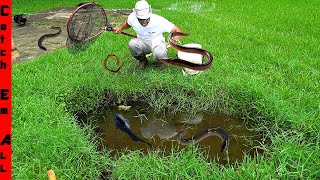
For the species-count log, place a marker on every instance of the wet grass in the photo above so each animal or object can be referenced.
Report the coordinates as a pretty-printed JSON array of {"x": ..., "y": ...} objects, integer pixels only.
[
  {"x": 187, "y": 164},
  {"x": 266, "y": 70}
]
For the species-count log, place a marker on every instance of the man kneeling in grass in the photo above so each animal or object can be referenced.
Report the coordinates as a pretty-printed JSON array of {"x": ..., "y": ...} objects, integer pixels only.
[{"x": 149, "y": 28}]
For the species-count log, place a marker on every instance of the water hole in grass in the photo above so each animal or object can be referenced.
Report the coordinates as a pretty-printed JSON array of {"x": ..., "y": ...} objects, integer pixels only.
[{"x": 161, "y": 129}]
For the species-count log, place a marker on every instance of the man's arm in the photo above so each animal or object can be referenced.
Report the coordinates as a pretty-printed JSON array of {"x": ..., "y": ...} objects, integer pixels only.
[
  {"x": 124, "y": 26},
  {"x": 176, "y": 29}
]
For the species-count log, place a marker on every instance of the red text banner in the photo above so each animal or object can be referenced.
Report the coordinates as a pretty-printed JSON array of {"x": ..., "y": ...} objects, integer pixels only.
[{"x": 5, "y": 90}]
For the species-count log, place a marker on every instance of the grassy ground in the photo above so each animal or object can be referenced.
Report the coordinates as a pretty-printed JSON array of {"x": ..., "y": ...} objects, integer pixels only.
[{"x": 266, "y": 70}]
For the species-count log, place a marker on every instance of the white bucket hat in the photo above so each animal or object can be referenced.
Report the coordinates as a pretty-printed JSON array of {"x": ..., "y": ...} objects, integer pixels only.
[{"x": 142, "y": 9}]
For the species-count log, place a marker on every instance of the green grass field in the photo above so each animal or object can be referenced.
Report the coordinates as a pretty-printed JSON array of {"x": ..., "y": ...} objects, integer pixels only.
[{"x": 266, "y": 70}]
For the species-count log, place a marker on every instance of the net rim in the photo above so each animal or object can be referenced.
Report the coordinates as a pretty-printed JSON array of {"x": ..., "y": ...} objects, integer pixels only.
[{"x": 75, "y": 11}]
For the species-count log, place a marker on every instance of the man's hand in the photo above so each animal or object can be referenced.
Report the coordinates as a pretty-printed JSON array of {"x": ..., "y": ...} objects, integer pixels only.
[
  {"x": 124, "y": 26},
  {"x": 176, "y": 29},
  {"x": 116, "y": 30}
]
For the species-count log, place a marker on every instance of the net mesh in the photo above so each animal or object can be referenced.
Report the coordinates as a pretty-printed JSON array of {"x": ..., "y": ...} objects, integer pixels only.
[{"x": 87, "y": 22}]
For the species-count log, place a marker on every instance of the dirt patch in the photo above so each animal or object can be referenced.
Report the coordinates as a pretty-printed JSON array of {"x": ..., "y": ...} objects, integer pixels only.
[{"x": 26, "y": 37}]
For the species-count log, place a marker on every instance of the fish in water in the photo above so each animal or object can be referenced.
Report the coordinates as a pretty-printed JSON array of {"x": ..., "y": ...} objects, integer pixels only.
[
  {"x": 124, "y": 107},
  {"x": 20, "y": 19},
  {"x": 123, "y": 125},
  {"x": 204, "y": 134}
]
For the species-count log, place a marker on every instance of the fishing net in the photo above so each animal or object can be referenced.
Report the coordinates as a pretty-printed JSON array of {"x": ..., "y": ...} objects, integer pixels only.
[{"x": 87, "y": 22}]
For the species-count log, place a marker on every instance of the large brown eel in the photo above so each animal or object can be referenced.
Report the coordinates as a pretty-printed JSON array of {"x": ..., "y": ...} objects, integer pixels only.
[
  {"x": 183, "y": 63},
  {"x": 204, "y": 134}
]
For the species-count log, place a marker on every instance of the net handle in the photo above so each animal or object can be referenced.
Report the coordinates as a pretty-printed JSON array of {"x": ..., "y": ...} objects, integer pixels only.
[{"x": 109, "y": 28}]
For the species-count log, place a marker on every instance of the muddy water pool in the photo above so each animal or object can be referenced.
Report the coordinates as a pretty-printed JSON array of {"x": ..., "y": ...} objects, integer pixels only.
[{"x": 161, "y": 129}]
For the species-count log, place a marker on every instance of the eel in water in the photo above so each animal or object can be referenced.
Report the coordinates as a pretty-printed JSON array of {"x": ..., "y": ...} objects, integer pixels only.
[
  {"x": 204, "y": 134},
  {"x": 42, "y": 38},
  {"x": 183, "y": 63}
]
